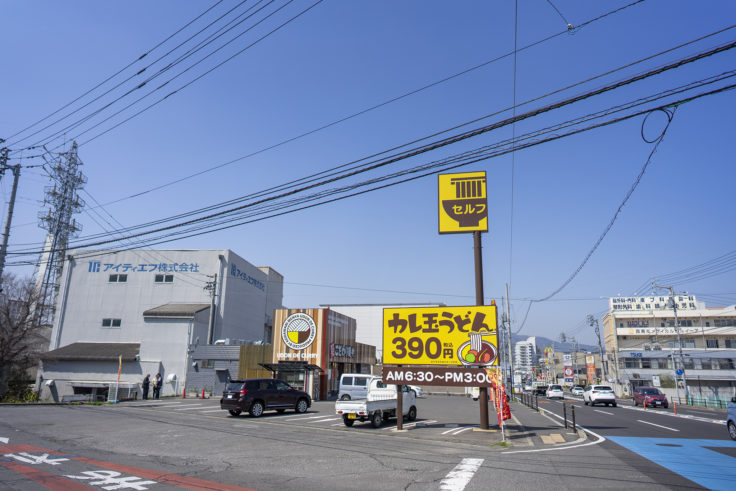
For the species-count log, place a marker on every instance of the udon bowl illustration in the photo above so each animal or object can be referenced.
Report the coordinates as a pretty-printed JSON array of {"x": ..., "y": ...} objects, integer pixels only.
[
  {"x": 457, "y": 209},
  {"x": 476, "y": 351}
]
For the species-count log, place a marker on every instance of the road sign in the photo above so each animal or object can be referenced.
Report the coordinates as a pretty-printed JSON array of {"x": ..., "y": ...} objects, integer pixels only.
[
  {"x": 464, "y": 336},
  {"x": 463, "y": 202},
  {"x": 568, "y": 371},
  {"x": 679, "y": 372}
]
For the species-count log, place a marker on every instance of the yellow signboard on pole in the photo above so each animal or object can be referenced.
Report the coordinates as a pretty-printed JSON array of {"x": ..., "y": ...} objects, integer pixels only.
[
  {"x": 465, "y": 336},
  {"x": 463, "y": 203}
]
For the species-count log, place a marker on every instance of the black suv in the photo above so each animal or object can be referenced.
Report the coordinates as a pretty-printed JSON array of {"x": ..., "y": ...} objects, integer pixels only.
[{"x": 256, "y": 395}]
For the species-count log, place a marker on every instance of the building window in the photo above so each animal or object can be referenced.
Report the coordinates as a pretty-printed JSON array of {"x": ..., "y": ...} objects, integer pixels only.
[
  {"x": 207, "y": 363},
  {"x": 711, "y": 343},
  {"x": 632, "y": 363},
  {"x": 731, "y": 343},
  {"x": 707, "y": 324},
  {"x": 724, "y": 322},
  {"x": 646, "y": 363},
  {"x": 705, "y": 364},
  {"x": 111, "y": 322},
  {"x": 164, "y": 278},
  {"x": 118, "y": 278}
]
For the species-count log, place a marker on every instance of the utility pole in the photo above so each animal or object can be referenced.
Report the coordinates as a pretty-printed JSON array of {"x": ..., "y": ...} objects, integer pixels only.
[
  {"x": 211, "y": 287},
  {"x": 508, "y": 340},
  {"x": 673, "y": 304},
  {"x": 593, "y": 321},
  {"x": 11, "y": 206},
  {"x": 574, "y": 362}
]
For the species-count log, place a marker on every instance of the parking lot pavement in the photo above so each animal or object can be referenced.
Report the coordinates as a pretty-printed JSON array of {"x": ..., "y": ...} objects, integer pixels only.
[{"x": 439, "y": 418}]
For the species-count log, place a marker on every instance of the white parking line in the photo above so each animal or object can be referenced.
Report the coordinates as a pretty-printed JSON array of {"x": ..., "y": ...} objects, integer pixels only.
[
  {"x": 212, "y": 411},
  {"x": 305, "y": 418},
  {"x": 460, "y": 476},
  {"x": 187, "y": 408},
  {"x": 654, "y": 424},
  {"x": 154, "y": 403},
  {"x": 604, "y": 412},
  {"x": 461, "y": 430},
  {"x": 323, "y": 420}
]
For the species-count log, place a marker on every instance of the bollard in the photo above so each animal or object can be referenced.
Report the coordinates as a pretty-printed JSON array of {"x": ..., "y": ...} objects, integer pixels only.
[
  {"x": 574, "y": 426},
  {"x": 184, "y": 393},
  {"x": 203, "y": 393},
  {"x": 675, "y": 403},
  {"x": 564, "y": 413},
  {"x": 536, "y": 401}
]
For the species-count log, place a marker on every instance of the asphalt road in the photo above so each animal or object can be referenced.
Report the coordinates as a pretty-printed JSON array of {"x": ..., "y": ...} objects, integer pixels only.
[
  {"x": 192, "y": 444},
  {"x": 693, "y": 442}
]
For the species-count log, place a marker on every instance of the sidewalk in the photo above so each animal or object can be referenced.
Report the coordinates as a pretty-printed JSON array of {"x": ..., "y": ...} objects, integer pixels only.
[{"x": 539, "y": 427}]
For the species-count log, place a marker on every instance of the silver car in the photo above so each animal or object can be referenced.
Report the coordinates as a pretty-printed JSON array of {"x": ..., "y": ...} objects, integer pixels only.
[{"x": 599, "y": 394}]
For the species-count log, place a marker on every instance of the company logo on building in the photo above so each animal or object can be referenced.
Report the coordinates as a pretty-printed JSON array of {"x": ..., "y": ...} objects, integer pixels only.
[{"x": 298, "y": 331}]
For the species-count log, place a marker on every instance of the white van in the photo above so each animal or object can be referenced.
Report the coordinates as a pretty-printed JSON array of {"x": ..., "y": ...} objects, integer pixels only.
[{"x": 354, "y": 386}]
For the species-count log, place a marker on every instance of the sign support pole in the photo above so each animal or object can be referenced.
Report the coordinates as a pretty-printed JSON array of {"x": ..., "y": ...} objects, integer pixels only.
[{"x": 482, "y": 391}]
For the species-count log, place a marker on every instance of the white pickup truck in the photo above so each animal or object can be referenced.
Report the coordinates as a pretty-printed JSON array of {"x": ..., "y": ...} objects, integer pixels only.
[{"x": 378, "y": 406}]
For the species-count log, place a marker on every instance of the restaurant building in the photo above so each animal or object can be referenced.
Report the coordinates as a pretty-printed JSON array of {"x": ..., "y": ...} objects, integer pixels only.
[{"x": 312, "y": 348}]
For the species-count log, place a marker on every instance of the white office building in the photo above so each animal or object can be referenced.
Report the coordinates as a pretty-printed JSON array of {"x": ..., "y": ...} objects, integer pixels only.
[
  {"x": 525, "y": 355},
  {"x": 122, "y": 315},
  {"x": 642, "y": 347}
]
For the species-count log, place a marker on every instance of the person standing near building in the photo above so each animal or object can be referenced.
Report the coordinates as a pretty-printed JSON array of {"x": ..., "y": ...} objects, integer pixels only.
[
  {"x": 157, "y": 381},
  {"x": 146, "y": 383}
]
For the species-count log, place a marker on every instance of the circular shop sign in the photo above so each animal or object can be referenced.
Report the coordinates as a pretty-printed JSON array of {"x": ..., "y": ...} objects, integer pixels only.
[{"x": 298, "y": 331}]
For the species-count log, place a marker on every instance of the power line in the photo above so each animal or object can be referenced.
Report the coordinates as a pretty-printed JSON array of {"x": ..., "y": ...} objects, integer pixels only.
[
  {"x": 430, "y": 171},
  {"x": 116, "y": 73},
  {"x": 398, "y": 98}
]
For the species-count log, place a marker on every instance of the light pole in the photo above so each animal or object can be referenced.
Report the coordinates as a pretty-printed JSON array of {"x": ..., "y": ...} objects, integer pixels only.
[{"x": 593, "y": 321}]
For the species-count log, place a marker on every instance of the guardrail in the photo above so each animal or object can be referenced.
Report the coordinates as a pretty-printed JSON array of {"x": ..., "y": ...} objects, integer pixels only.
[{"x": 714, "y": 402}]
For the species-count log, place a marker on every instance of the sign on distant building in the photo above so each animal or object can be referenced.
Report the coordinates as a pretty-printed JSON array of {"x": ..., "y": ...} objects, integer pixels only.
[
  {"x": 658, "y": 302},
  {"x": 463, "y": 203}
]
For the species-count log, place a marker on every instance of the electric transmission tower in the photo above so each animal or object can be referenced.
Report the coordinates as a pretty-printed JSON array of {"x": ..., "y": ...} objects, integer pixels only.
[{"x": 63, "y": 202}]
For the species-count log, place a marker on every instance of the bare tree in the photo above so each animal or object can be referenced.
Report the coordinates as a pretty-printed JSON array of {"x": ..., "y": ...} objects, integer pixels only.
[{"x": 22, "y": 336}]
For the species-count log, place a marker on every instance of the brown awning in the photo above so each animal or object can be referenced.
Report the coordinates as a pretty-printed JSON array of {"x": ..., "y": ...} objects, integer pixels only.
[
  {"x": 176, "y": 310},
  {"x": 94, "y": 352},
  {"x": 291, "y": 366}
]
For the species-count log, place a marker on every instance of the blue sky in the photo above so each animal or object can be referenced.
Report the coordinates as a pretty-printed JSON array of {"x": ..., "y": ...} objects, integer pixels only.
[{"x": 340, "y": 58}]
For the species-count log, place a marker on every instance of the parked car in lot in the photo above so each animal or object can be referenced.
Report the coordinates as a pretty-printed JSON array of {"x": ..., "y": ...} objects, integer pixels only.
[
  {"x": 599, "y": 394},
  {"x": 263, "y": 394},
  {"x": 418, "y": 392},
  {"x": 731, "y": 418},
  {"x": 555, "y": 391},
  {"x": 650, "y": 396},
  {"x": 354, "y": 386},
  {"x": 577, "y": 390}
]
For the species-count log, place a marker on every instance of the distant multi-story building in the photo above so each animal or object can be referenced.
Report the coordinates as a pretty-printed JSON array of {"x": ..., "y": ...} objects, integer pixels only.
[
  {"x": 525, "y": 355},
  {"x": 642, "y": 347}
]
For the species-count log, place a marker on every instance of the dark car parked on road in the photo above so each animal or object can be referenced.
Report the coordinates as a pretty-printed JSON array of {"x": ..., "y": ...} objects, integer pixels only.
[
  {"x": 650, "y": 396},
  {"x": 262, "y": 394}
]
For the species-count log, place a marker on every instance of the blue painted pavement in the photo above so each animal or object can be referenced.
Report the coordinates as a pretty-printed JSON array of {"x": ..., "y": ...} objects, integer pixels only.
[{"x": 690, "y": 458}]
